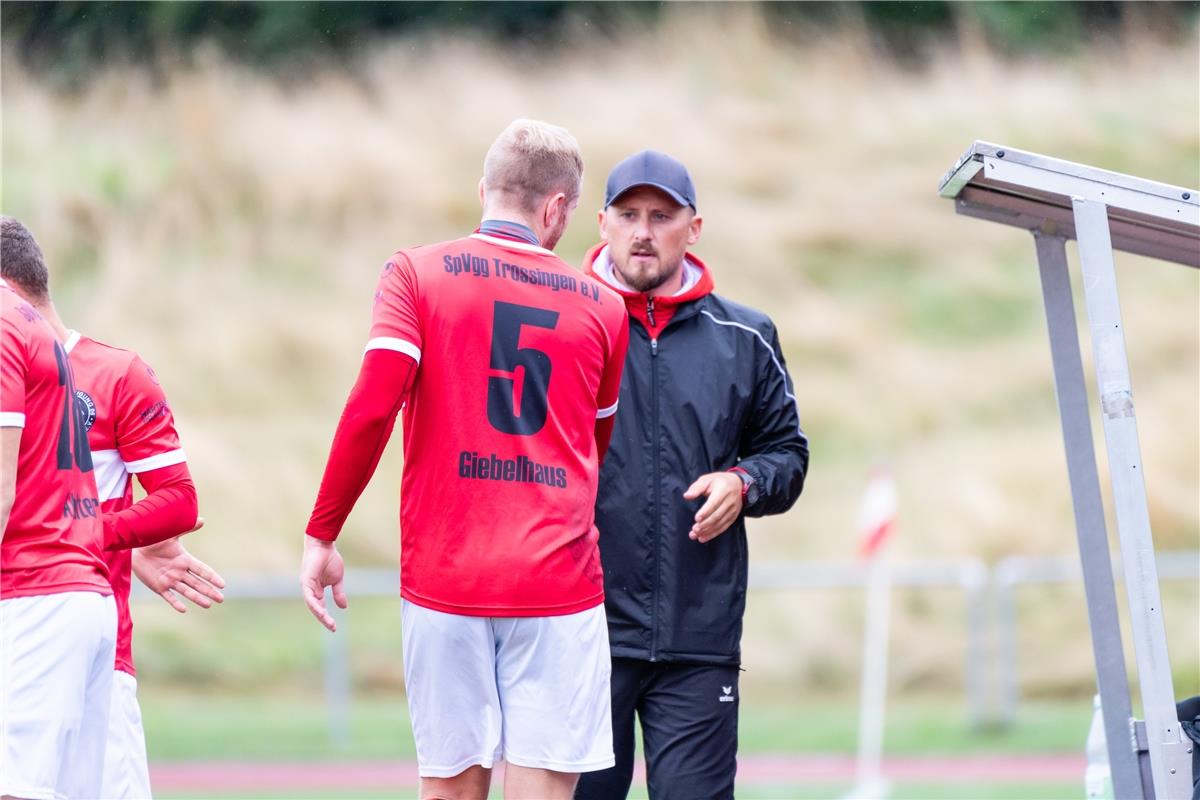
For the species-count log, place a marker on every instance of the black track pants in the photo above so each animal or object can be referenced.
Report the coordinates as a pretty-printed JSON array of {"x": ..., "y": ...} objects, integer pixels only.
[{"x": 689, "y": 717}]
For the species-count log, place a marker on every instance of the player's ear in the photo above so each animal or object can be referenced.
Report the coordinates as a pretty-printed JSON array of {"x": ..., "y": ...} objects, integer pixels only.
[
  {"x": 556, "y": 209},
  {"x": 482, "y": 195}
]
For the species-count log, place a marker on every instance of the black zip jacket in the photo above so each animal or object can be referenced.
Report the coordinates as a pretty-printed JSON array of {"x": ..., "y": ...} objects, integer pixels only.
[{"x": 709, "y": 392}]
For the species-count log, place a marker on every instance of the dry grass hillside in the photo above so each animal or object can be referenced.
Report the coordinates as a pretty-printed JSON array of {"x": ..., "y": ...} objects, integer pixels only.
[{"x": 229, "y": 225}]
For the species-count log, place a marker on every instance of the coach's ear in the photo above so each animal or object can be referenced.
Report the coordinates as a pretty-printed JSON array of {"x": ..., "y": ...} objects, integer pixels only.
[
  {"x": 694, "y": 228},
  {"x": 602, "y": 221}
]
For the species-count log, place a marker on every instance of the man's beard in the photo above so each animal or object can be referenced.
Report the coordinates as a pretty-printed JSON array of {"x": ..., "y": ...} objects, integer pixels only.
[{"x": 645, "y": 282}]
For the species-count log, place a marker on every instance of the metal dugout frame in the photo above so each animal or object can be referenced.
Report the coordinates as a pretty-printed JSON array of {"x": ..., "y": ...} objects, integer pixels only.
[{"x": 1058, "y": 200}]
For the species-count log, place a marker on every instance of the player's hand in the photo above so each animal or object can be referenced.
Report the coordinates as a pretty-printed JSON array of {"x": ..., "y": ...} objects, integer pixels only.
[
  {"x": 170, "y": 571},
  {"x": 322, "y": 566},
  {"x": 724, "y": 493}
]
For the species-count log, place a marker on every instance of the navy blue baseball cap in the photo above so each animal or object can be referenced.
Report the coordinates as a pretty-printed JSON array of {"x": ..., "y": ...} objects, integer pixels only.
[{"x": 651, "y": 168}]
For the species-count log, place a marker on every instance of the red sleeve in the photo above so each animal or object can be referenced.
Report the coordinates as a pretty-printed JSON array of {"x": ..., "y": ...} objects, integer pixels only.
[
  {"x": 144, "y": 424},
  {"x": 168, "y": 509},
  {"x": 610, "y": 387},
  {"x": 362, "y": 433},
  {"x": 14, "y": 366},
  {"x": 395, "y": 319}
]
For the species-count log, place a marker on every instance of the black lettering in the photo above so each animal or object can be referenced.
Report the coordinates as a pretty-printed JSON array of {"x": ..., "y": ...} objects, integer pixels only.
[{"x": 464, "y": 464}]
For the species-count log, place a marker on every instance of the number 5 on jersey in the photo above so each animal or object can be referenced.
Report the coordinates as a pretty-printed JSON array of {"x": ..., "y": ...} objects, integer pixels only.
[{"x": 518, "y": 408}]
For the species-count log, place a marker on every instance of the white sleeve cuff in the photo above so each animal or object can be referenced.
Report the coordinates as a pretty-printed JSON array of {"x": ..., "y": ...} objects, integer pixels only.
[
  {"x": 12, "y": 419},
  {"x": 399, "y": 345},
  {"x": 167, "y": 459},
  {"x": 604, "y": 413}
]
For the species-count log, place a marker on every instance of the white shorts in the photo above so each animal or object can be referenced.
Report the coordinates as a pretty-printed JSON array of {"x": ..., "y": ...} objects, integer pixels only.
[
  {"x": 126, "y": 774},
  {"x": 532, "y": 691},
  {"x": 56, "y": 666}
]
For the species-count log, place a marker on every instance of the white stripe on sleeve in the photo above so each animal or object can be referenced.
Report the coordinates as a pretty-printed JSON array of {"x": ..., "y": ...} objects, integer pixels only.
[
  {"x": 399, "y": 345},
  {"x": 110, "y": 472},
  {"x": 12, "y": 419},
  {"x": 782, "y": 372},
  {"x": 167, "y": 459},
  {"x": 604, "y": 413}
]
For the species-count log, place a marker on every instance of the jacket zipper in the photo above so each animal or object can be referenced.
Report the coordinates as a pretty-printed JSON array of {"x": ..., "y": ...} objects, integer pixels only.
[
  {"x": 657, "y": 486},
  {"x": 650, "y": 318}
]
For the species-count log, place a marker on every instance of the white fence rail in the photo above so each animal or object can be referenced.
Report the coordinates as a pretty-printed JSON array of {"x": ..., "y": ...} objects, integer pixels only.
[{"x": 989, "y": 596}]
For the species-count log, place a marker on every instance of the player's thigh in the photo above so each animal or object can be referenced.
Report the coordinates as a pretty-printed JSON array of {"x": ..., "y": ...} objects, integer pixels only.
[
  {"x": 689, "y": 730},
  {"x": 450, "y": 680},
  {"x": 49, "y": 685},
  {"x": 553, "y": 677},
  {"x": 126, "y": 774},
  {"x": 85, "y": 773}
]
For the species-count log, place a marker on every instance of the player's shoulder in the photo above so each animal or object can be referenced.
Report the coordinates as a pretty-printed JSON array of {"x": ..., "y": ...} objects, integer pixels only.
[
  {"x": 433, "y": 252},
  {"x": 95, "y": 360},
  {"x": 80, "y": 347}
]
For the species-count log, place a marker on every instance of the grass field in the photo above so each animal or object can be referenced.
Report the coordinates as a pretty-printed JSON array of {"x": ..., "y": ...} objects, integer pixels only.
[
  {"x": 224, "y": 728},
  {"x": 233, "y": 726}
]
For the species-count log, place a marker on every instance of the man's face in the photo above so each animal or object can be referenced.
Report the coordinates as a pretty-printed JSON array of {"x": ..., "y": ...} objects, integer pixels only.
[{"x": 647, "y": 234}]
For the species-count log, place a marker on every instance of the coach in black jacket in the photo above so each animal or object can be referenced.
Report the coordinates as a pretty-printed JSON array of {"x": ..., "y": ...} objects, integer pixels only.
[{"x": 707, "y": 433}]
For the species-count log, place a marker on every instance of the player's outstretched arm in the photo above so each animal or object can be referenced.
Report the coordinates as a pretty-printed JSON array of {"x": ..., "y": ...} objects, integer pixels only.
[
  {"x": 171, "y": 572},
  {"x": 169, "y": 509},
  {"x": 321, "y": 566}
]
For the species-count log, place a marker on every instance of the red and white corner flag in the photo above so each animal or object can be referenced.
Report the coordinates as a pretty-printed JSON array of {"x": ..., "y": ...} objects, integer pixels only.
[{"x": 877, "y": 515}]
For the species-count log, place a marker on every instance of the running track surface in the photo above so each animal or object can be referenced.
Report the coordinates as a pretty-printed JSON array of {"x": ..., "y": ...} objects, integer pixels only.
[{"x": 770, "y": 769}]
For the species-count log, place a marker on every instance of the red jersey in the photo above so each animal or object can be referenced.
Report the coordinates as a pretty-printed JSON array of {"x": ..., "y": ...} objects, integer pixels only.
[
  {"x": 518, "y": 355},
  {"x": 130, "y": 429},
  {"x": 54, "y": 538}
]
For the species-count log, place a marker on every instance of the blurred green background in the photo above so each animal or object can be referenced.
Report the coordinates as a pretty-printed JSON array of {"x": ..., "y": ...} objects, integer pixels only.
[{"x": 216, "y": 185}]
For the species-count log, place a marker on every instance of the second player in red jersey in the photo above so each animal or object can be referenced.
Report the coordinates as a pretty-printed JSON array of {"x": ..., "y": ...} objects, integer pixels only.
[
  {"x": 507, "y": 364},
  {"x": 131, "y": 430}
]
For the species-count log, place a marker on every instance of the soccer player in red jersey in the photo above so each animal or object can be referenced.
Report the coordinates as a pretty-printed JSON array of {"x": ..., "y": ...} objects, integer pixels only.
[
  {"x": 130, "y": 428},
  {"x": 57, "y": 615},
  {"x": 507, "y": 365}
]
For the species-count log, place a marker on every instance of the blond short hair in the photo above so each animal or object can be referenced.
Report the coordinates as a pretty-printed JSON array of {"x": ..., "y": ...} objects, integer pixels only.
[{"x": 531, "y": 160}]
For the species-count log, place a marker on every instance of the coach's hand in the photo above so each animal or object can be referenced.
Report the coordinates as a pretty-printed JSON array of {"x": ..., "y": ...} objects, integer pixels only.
[
  {"x": 322, "y": 566},
  {"x": 724, "y": 493},
  {"x": 169, "y": 570}
]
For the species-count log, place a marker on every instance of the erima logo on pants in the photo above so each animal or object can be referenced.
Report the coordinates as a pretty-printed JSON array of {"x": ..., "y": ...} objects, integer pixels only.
[{"x": 728, "y": 696}]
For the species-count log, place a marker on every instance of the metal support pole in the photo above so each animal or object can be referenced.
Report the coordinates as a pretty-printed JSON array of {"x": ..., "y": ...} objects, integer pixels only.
[
  {"x": 975, "y": 586},
  {"x": 1089, "y": 515},
  {"x": 1170, "y": 764},
  {"x": 337, "y": 681}
]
